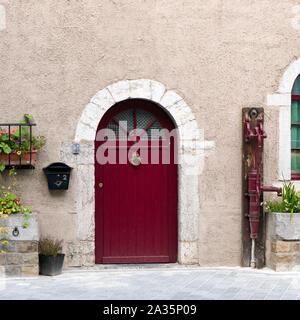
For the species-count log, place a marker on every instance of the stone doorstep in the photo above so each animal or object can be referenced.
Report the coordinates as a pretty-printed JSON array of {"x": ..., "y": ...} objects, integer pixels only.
[{"x": 141, "y": 266}]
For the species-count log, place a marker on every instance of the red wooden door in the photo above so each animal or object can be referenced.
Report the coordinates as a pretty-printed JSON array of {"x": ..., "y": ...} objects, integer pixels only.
[{"x": 136, "y": 206}]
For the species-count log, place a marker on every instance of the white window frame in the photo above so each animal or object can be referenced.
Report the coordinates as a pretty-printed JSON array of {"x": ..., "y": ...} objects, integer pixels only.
[{"x": 283, "y": 99}]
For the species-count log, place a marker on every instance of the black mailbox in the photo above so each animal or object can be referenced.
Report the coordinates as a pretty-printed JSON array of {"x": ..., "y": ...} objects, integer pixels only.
[{"x": 58, "y": 175}]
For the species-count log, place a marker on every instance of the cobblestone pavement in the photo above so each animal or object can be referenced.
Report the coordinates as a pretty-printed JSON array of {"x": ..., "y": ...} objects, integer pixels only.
[{"x": 167, "y": 283}]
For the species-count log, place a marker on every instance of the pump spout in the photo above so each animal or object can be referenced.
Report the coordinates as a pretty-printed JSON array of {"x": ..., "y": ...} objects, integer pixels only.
[{"x": 272, "y": 189}]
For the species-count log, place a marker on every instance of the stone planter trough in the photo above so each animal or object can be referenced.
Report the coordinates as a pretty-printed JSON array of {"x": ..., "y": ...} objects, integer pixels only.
[
  {"x": 21, "y": 257},
  {"x": 283, "y": 241}
]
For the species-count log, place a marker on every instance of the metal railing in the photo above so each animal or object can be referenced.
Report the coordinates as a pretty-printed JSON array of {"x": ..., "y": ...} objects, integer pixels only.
[{"x": 20, "y": 126}]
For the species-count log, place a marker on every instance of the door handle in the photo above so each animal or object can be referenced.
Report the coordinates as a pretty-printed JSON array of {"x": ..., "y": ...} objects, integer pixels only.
[{"x": 100, "y": 185}]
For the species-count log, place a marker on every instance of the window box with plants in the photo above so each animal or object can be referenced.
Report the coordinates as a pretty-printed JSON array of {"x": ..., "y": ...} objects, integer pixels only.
[
  {"x": 18, "y": 146},
  {"x": 283, "y": 230}
]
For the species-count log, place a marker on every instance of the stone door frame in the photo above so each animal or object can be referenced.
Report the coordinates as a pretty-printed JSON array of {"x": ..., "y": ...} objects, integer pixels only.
[{"x": 190, "y": 151}]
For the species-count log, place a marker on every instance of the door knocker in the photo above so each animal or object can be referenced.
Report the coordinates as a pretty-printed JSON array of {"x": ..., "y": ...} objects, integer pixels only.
[
  {"x": 15, "y": 232},
  {"x": 135, "y": 159}
]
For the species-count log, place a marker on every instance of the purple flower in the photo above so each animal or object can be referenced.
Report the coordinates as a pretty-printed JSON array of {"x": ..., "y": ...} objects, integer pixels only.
[{"x": 34, "y": 148}]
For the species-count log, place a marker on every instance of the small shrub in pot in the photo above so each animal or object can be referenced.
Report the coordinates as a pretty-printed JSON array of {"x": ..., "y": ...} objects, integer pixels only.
[{"x": 50, "y": 257}]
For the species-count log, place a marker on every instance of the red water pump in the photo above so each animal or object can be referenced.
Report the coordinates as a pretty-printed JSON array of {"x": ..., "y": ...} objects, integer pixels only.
[{"x": 255, "y": 187}]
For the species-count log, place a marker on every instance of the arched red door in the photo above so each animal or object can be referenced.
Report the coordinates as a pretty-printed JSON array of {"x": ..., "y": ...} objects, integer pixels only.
[{"x": 135, "y": 199}]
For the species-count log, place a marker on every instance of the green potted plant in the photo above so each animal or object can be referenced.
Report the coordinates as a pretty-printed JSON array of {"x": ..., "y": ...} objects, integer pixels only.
[
  {"x": 50, "y": 257},
  {"x": 283, "y": 212},
  {"x": 282, "y": 231},
  {"x": 18, "y": 146},
  {"x": 288, "y": 204}
]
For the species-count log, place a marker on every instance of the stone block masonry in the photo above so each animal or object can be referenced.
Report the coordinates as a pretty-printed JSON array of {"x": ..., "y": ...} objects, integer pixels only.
[
  {"x": 21, "y": 258},
  {"x": 283, "y": 242},
  {"x": 79, "y": 254}
]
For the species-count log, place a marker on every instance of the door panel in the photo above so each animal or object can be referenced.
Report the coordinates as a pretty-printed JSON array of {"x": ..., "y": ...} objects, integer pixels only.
[{"x": 136, "y": 210}]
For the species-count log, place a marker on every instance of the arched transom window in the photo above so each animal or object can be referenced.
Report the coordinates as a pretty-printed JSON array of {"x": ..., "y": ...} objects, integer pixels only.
[{"x": 135, "y": 122}]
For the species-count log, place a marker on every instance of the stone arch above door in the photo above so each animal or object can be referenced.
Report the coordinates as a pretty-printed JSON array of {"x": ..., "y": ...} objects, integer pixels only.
[{"x": 191, "y": 146}]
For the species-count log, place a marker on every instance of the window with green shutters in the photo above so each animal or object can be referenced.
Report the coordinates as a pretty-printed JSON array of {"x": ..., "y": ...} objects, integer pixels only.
[{"x": 295, "y": 130}]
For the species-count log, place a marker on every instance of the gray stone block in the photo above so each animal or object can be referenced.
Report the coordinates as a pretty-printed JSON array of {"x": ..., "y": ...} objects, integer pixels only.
[
  {"x": 13, "y": 270},
  {"x": 30, "y": 258},
  {"x": 10, "y": 246},
  {"x": 85, "y": 155},
  {"x": 27, "y": 246},
  {"x": 14, "y": 258},
  {"x": 283, "y": 227},
  {"x": 2, "y": 259},
  {"x": 30, "y": 233},
  {"x": 30, "y": 270}
]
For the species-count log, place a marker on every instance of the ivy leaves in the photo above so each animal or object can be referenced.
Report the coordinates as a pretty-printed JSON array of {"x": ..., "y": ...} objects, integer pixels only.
[{"x": 4, "y": 147}]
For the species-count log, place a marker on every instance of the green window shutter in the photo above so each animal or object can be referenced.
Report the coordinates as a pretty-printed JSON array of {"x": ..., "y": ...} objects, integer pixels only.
[{"x": 295, "y": 136}]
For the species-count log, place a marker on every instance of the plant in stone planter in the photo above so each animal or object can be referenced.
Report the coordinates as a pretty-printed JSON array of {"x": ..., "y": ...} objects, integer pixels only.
[
  {"x": 18, "y": 146},
  {"x": 282, "y": 230},
  {"x": 289, "y": 203},
  {"x": 51, "y": 258},
  {"x": 10, "y": 204}
]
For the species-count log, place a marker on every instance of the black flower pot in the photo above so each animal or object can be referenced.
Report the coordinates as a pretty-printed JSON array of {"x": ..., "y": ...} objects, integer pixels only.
[{"x": 51, "y": 265}]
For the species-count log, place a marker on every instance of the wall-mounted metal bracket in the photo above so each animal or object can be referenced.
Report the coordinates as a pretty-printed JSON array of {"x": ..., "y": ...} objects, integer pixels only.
[{"x": 76, "y": 148}]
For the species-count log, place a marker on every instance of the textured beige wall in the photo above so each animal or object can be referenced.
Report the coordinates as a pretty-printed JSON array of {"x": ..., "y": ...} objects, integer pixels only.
[{"x": 219, "y": 55}]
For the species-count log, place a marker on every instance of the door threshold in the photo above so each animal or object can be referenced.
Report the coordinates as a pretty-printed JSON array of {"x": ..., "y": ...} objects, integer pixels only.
[{"x": 137, "y": 266}]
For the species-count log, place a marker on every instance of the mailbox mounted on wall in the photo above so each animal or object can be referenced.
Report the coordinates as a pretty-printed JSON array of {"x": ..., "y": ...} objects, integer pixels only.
[{"x": 58, "y": 175}]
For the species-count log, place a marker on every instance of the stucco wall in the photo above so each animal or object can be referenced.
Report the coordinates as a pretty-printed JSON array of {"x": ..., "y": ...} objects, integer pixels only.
[{"x": 220, "y": 56}]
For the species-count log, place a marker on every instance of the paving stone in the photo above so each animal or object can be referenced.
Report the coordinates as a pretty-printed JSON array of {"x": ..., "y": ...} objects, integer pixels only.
[
  {"x": 157, "y": 283},
  {"x": 268, "y": 284}
]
